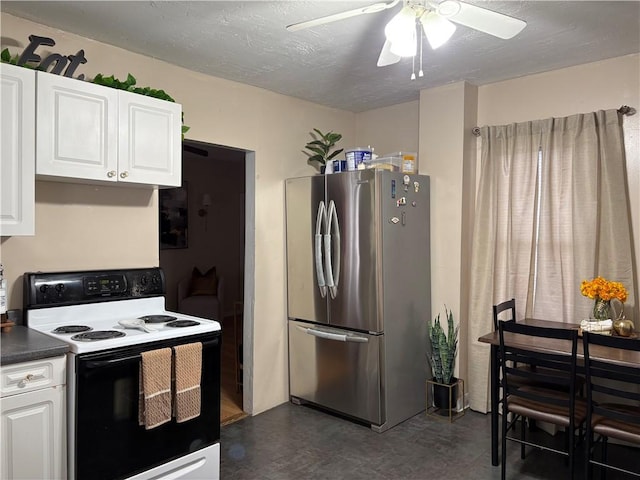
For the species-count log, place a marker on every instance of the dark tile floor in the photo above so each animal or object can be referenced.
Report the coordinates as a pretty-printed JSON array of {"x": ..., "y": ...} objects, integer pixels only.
[{"x": 299, "y": 442}]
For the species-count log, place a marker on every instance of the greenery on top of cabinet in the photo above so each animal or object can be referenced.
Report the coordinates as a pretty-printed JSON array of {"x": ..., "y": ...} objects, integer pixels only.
[
  {"x": 129, "y": 84},
  {"x": 6, "y": 57}
]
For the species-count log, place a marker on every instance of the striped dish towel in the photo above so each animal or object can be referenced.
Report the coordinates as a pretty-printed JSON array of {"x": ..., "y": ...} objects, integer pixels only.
[
  {"x": 188, "y": 374},
  {"x": 154, "y": 405}
]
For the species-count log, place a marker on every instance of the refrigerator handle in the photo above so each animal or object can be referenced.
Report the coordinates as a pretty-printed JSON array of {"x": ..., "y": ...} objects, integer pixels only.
[
  {"x": 328, "y": 264},
  {"x": 334, "y": 336},
  {"x": 320, "y": 217},
  {"x": 335, "y": 239},
  {"x": 332, "y": 237}
]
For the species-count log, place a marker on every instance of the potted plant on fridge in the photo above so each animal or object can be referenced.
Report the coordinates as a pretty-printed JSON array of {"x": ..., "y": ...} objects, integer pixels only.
[
  {"x": 444, "y": 348},
  {"x": 320, "y": 148}
]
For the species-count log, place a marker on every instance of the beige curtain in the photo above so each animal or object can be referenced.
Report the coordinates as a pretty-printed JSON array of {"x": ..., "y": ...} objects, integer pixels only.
[{"x": 552, "y": 210}]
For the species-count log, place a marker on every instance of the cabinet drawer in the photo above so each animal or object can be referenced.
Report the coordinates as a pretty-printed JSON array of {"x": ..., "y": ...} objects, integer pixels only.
[
  {"x": 30, "y": 376},
  {"x": 343, "y": 375}
]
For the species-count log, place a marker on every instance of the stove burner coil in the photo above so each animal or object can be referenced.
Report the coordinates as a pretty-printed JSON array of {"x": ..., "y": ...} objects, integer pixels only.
[
  {"x": 182, "y": 323},
  {"x": 72, "y": 329},
  {"x": 157, "y": 318},
  {"x": 97, "y": 335}
]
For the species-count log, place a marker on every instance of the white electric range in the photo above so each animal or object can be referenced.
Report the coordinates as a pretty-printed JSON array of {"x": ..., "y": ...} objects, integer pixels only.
[
  {"x": 87, "y": 310},
  {"x": 98, "y": 326}
]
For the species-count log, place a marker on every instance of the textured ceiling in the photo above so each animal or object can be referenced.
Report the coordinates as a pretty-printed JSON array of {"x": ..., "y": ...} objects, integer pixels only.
[{"x": 335, "y": 64}]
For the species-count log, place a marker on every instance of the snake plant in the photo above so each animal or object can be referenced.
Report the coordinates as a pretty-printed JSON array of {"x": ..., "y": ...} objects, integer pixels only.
[{"x": 444, "y": 348}]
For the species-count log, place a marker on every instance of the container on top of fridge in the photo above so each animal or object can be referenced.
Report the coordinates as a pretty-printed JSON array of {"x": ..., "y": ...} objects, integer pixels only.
[
  {"x": 356, "y": 157},
  {"x": 405, "y": 162},
  {"x": 409, "y": 161},
  {"x": 384, "y": 163}
]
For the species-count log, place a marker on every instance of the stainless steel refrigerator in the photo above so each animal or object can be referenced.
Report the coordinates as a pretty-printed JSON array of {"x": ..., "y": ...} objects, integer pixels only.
[{"x": 359, "y": 293}]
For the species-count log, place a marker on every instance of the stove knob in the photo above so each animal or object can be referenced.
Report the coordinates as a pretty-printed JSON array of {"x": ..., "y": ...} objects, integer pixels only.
[
  {"x": 59, "y": 287},
  {"x": 44, "y": 288},
  {"x": 143, "y": 280}
]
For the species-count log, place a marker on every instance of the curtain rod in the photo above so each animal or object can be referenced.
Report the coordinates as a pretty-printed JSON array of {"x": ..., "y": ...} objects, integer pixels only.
[{"x": 623, "y": 110}]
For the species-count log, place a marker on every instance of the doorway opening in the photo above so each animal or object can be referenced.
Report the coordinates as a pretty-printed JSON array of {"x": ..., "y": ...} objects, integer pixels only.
[{"x": 219, "y": 188}]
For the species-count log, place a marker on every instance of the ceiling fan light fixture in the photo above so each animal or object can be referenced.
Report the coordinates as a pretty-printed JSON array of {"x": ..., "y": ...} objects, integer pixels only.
[
  {"x": 401, "y": 33},
  {"x": 386, "y": 57},
  {"x": 437, "y": 29},
  {"x": 404, "y": 46}
]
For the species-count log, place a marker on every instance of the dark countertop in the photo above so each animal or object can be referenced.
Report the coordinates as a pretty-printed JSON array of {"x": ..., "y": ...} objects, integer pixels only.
[{"x": 23, "y": 344}]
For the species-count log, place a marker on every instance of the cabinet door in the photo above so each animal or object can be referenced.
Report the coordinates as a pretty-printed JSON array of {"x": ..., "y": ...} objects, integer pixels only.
[
  {"x": 33, "y": 437},
  {"x": 150, "y": 146},
  {"x": 77, "y": 129},
  {"x": 17, "y": 144}
]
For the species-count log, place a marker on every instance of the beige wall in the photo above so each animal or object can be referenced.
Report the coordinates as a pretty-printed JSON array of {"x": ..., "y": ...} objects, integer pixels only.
[
  {"x": 390, "y": 129},
  {"x": 104, "y": 227},
  {"x": 83, "y": 227},
  {"x": 447, "y": 115}
]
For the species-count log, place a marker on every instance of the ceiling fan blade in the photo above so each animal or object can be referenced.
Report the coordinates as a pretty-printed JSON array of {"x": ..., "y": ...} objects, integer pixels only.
[
  {"x": 487, "y": 21},
  {"x": 376, "y": 7},
  {"x": 387, "y": 57}
]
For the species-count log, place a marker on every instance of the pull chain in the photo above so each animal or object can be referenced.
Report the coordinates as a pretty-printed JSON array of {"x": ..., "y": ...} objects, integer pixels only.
[
  {"x": 421, "y": 73},
  {"x": 413, "y": 73},
  {"x": 413, "y": 59}
]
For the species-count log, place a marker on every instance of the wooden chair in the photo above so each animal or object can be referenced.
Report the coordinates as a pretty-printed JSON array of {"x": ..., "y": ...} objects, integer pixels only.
[
  {"x": 544, "y": 391},
  {"x": 619, "y": 416}
]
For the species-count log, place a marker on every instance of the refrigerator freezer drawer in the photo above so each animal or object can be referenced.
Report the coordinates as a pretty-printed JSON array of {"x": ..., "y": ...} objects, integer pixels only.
[{"x": 336, "y": 369}]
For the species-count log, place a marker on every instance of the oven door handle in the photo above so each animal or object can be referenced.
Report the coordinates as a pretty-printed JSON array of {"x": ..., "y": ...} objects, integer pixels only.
[{"x": 93, "y": 364}]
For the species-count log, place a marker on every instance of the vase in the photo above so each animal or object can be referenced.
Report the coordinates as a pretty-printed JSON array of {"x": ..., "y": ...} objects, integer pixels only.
[
  {"x": 623, "y": 327},
  {"x": 602, "y": 309}
]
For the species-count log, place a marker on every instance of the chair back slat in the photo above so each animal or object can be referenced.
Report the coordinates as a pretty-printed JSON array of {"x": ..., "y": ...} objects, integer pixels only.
[{"x": 509, "y": 305}]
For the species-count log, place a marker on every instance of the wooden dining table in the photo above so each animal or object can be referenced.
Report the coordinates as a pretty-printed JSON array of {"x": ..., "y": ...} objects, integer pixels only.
[{"x": 610, "y": 355}]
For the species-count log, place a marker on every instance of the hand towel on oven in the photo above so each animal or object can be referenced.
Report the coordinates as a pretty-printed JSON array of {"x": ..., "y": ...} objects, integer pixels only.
[
  {"x": 188, "y": 372},
  {"x": 155, "y": 388}
]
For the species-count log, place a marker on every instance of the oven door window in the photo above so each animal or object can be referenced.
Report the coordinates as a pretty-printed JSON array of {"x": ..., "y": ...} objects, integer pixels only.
[{"x": 109, "y": 442}]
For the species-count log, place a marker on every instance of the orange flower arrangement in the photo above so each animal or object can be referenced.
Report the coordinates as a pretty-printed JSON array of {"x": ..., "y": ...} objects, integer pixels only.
[{"x": 600, "y": 288}]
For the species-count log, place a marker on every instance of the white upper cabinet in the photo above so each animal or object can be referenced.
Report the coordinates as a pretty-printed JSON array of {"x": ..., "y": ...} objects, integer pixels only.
[
  {"x": 77, "y": 129},
  {"x": 88, "y": 132},
  {"x": 17, "y": 144},
  {"x": 150, "y": 141}
]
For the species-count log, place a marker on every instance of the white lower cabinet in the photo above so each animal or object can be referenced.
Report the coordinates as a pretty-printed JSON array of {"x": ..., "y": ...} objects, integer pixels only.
[
  {"x": 33, "y": 420},
  {"x": 88, "y": 132},
  {"x": 17, "y": 146}
]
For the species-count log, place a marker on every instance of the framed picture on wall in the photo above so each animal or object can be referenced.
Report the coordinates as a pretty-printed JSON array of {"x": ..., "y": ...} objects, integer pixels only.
[{"x": 174, "y": 217}]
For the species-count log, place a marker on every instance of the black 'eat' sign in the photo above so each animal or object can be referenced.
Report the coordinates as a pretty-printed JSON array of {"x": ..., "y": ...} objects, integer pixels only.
[{"x": 58, "y": 61}]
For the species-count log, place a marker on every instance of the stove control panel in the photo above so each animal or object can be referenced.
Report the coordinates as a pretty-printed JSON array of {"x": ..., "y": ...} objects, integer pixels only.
[
  {"x": 69, "y": 288},
  {"x": 105, "y": 284}
]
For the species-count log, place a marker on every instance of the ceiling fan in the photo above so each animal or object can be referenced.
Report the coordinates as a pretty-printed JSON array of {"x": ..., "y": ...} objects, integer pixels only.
[{"x": 438, "y": 21}]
